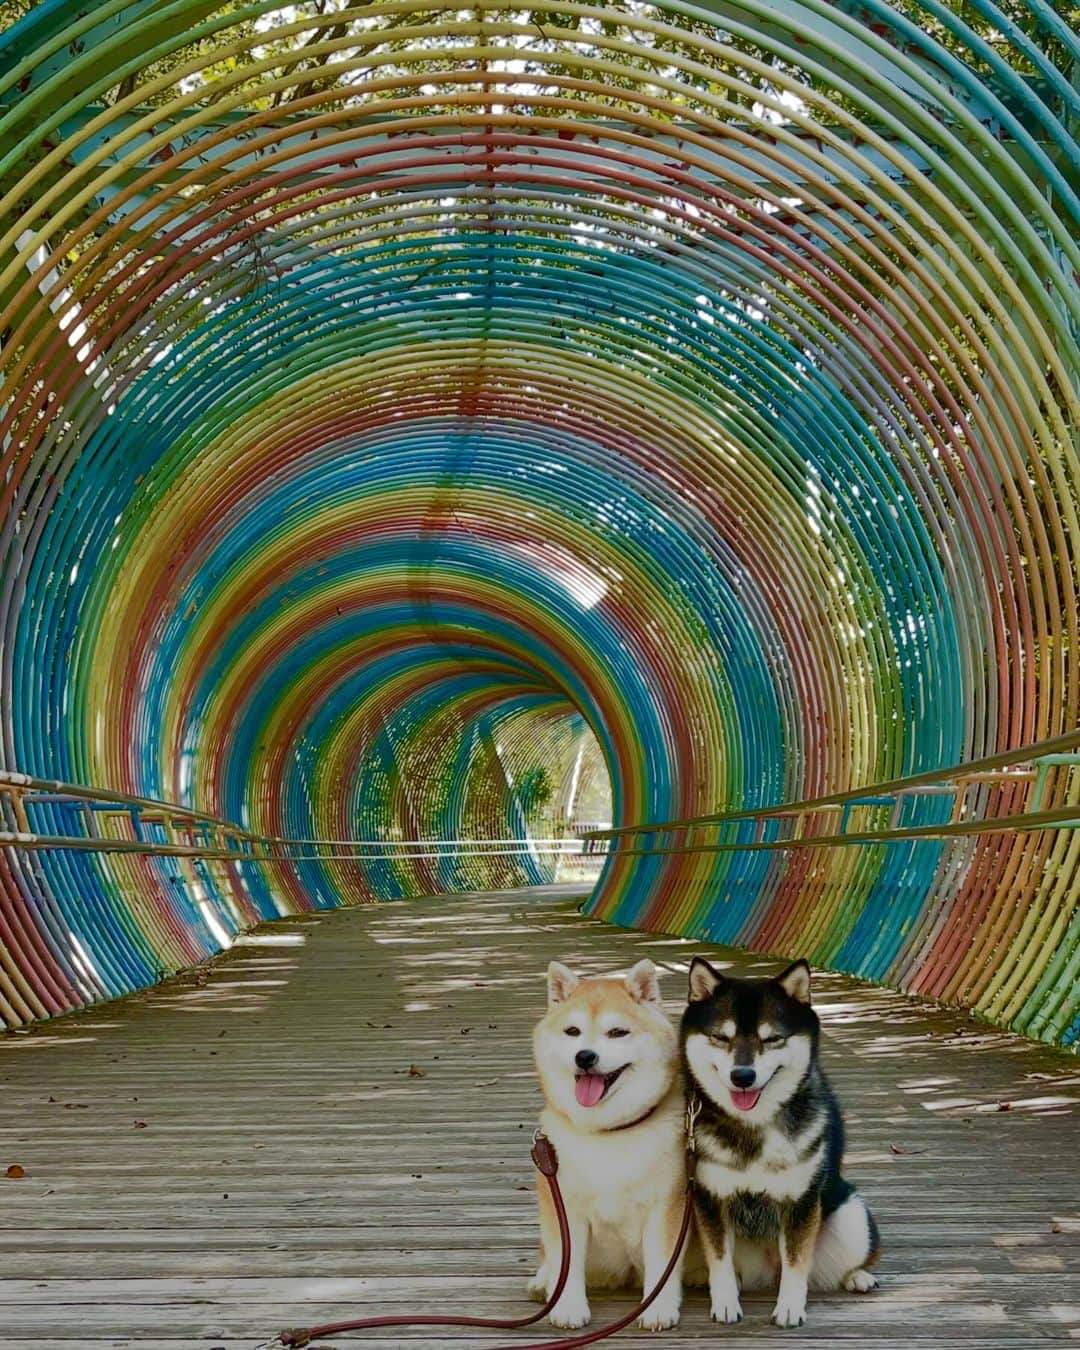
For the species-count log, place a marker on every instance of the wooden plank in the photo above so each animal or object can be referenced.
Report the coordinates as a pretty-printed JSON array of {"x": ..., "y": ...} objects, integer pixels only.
[
  {"x": 245, "y": 1148},
  {"x": 706, "y": 1334}
]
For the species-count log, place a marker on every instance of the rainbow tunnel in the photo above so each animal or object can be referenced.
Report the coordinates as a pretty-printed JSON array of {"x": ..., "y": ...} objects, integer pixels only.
[{"x": 433, "y": 431}]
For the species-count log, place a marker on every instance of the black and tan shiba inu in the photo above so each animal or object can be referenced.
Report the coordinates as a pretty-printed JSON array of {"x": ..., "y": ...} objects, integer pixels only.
[
  {"x": 770, "y": 1200},
  {"x": 608, "y": 1062}
]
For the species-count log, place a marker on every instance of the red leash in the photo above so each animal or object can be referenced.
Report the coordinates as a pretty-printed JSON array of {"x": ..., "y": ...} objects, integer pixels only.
[
  {"x": 546, "y": 1161},
  {"x": 601, "y": 1333}
]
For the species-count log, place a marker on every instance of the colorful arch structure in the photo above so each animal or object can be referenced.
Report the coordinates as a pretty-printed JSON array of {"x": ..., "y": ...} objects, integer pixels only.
[{"x": 409, "y": 408}]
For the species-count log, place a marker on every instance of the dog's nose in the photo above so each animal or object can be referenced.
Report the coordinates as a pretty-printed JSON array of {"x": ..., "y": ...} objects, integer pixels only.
[
  {"x": 743, "y": 1078},
  {"x": 585, "y": 1059}
]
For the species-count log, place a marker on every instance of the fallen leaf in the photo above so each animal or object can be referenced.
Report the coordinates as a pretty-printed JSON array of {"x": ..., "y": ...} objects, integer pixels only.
[
  {"x": 1004, "y": 1106},
  {"x": 139, "y": 1124},
  {"x": 488, "y": 1082},
  {"x": 15, "y": 1172},
  {"x": 415, "y": 1071},
  {"x": 75, "y": 1106},
  {"x": 901, "y": 1151}
]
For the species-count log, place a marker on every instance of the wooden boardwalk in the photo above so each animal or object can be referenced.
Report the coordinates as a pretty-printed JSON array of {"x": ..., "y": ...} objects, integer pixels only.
[{"x": 336, "y": 1118}]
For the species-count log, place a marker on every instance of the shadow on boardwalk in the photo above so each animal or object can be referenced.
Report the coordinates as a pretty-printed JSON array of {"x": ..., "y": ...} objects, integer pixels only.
[{"x": 335, "y": 1120}]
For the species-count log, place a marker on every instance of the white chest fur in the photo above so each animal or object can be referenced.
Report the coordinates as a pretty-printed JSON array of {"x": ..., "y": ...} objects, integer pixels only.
[
  {"x": 616, "y": 1173},
  {"x": 782, "y": 1168}
]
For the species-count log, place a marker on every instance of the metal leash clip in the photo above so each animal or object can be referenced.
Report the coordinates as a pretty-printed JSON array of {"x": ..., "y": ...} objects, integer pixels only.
[{"x": 693, "y": 1110}]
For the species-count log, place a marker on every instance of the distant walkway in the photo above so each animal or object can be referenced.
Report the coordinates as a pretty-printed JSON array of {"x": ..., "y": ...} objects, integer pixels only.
[{"x": 336, "y": 1119}]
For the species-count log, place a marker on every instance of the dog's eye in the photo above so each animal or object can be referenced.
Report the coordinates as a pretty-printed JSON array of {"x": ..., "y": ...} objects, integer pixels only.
[
  {"x": 774, "y": 1040},
  {"x": 717, "y": 1039},
  {"x": 572, "y": 1031},
  {"x": 619, "y": 1031}
]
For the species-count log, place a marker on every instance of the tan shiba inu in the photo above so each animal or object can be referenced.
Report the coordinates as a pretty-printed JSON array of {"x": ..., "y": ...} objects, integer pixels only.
[{"x": 609, "y": 1066}]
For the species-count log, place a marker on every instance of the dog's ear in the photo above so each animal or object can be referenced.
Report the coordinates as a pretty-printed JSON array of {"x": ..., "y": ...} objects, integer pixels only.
[
  {"x": 795, "y": 981},
  {"x": 643, "y": 984},
  {"x": 703, "y": 979},
  {"x": 561, "y": 983}
]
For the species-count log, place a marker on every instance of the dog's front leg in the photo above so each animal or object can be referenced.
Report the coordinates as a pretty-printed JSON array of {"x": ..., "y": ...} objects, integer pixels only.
[
  {"x": 718, "y": 1242},
  {"x": 573, "y": 1303},
  {"x": 572, "y": 1309},
  {"x": 543, "y": 1282},
  {"x": 798, "y": 1233},
  {"x": 658, "y": 1242}
]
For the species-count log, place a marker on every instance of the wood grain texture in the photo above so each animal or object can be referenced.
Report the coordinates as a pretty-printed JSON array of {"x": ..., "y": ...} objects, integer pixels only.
[{"x": 335, "y": 1118}]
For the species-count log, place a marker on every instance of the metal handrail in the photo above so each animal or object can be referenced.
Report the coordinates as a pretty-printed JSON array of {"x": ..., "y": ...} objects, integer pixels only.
[
  {"x": 957, "y": 776},
  {"x": 275, "y": 848},
  {"x": 1060, "y": 817},
  {"x": 1035, "y": 759}
]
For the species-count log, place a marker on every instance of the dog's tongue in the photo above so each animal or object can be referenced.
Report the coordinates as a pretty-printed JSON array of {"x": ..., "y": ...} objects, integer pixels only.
[
  {"x": 589, "y": 1088},
  {"x": 745, "y": 1098}
]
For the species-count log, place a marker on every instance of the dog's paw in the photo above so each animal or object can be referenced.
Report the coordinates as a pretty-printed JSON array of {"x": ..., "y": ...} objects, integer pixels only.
[
  {"x": 659, "y": 1318},
  {"x": 727, "y": 1309},
  {"x": 569, "y": 1314},
  {"x": 537, "y": 1288},
  {"x": 860, "y": 1281},
  {"x": 789, "y": 1313}
]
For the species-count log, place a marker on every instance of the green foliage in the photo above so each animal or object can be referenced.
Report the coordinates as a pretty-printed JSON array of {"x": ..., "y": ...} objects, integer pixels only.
[
  {"x": 546, "y": 47},
  {"x": 11, "y": 11},
  {"x": 953, "y": 39},
  {"x": 534, "y": 789}
]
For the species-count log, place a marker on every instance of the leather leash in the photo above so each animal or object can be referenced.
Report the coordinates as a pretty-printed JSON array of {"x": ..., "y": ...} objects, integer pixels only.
[{"x": 546, "y": 1161}]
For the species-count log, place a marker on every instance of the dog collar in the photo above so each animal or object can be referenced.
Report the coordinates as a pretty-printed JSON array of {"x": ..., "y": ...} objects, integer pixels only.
[{"x": 631, "y": 1123}]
